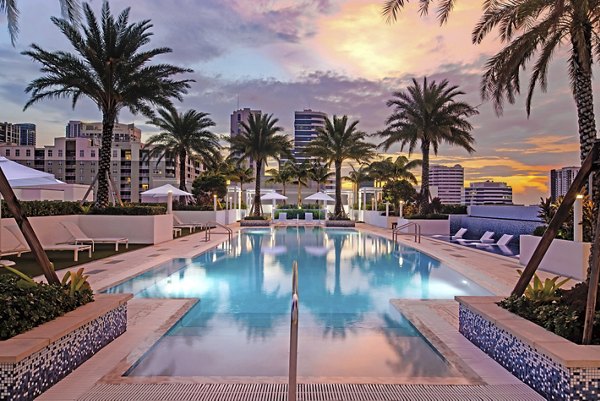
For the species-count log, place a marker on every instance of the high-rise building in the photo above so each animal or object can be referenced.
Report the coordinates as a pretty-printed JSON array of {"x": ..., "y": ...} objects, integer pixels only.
[
  {"x": 241, "y": 116},
  {"x": 306, "y": 123},
  {"x": 8, "y": 134},
  {"x": 449, "y": 183},
  {"x": 488, "y": 193},
  {"x": 121, "y": 132},
  {"x": 27, "y": 133},
  {"x": 561, "y": 180}
]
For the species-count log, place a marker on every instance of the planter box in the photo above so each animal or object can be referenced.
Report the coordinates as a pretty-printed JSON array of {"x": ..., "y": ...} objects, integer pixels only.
[
  {"x": 375, "y": 218},
  {"x": 34, "y": 361},
  {"x": 139, "y": 229},
  {"x": 205, "y": 216},
  {"x": 553, "y": 366},
  {"x": 255, "y": 223},
  {"x": 340, "y": 223},
  {"x": 566, "y": 258}
]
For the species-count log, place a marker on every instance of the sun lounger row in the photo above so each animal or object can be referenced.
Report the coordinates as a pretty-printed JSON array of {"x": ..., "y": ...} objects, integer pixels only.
[
  {"x": 486, "y": 240},
  {"x": 308, "y": 220}
]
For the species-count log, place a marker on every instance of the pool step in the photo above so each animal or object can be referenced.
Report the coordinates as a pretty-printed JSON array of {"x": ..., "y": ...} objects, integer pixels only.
[{"x": 309, "y": 392}]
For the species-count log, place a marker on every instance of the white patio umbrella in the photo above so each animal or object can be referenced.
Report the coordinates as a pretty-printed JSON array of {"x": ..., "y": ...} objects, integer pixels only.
[
  {"x": 273, "y": 196},
  {"x": 321, "y": 196},
  {"x": 20, "y": 176},
  {"x": 160, "y": 194}
]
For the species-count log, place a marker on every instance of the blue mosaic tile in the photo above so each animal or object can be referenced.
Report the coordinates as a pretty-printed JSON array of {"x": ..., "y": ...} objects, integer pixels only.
[
  {"x": 33, "y": 375},
  {"x": 546, "y": 376}
]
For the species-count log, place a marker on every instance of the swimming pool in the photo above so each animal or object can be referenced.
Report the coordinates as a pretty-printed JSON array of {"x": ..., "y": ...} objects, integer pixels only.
[{"x": 347, "y": 327}]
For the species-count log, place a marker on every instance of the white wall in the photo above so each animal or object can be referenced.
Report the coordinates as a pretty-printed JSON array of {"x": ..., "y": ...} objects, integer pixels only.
[
  {"x": 197, "y": 216},
  {"x": 565, "y": 258},
  {"x": 431, "y": 227},
  {"x": 375, "y": 218}
]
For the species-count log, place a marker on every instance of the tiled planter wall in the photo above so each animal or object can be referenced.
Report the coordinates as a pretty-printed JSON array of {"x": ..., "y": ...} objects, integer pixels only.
[
  {"x": 547, "y": 363},
  {"x": 27, "y": 378}
]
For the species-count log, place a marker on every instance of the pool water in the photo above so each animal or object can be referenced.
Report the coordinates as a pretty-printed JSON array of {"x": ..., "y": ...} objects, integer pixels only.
[{"x": 347, "y": 327}]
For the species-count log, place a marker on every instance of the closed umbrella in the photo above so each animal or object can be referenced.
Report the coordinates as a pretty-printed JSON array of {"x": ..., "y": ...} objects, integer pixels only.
[
  {"x": 321, "y": 196},
  {"x": 273, "y": 196}
]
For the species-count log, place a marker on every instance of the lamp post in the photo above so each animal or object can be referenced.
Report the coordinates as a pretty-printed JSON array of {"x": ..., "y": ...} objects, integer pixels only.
[
  {"x": 387, "y": 209},
  {"x": 400, "y": 211},
  {"x": 170, "y": 202},
  {"x": 578, "y": 219},
  {"x": 215, "y": 202}
]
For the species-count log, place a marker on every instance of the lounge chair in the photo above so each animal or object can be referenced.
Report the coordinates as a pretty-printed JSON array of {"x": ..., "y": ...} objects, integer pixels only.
[
  {"x": 82, "y": 238},
  {"x": 486, "y": 238},
  {"x": 282, "y": 218},
  {"x": 76, "y": 248},
  {"x": 458, "y": 235},
  {"x": 180, "y": 224},
  {"x": 503, "y": 241},
  {"x": 11, "y": 245}
]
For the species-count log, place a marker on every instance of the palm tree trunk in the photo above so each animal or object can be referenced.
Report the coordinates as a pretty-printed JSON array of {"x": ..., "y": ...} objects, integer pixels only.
[
  {"x": 424, "y": 177},
  {"x": 299, "y": 192},
  {"x": 108, "y": 122},
  {"x": 283, "y": 184},
  {"x": 257, "y": 206},
  {"x": 182, "y": 157},
  {"x": 338, "y": 210}
]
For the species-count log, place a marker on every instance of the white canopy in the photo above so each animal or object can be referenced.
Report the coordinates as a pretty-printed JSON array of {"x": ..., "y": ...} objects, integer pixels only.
[
  {"x": 159, "y": 194},
  {"x": 22, "y": 176},
  {"x": 273, "y": 196},
  {"x": 320, "y": 196}
]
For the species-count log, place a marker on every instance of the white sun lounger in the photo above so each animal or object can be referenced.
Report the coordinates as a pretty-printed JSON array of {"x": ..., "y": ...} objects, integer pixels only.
[
  {"x": 486, "y": 238},
  {"x": 458, "y": 235},
  {"x": 76, "y": 248},
  {"x": 282, "y": 218},
  {"x": 11, "y": 245},
  {"x": 503, "y": 241},
  {"x": 82, "y": 238}
]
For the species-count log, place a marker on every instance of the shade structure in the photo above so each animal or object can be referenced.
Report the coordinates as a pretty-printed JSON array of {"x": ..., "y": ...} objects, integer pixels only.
[
  {"x": 19, "y": 176},
  {"x": 321, "y": 196},
  {"x": 273, "y": 196},
  {"x": 160, "y": 194}
]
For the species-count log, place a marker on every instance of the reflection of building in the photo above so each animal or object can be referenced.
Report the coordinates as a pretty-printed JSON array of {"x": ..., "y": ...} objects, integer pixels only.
[
  {"x": 305, "y": 129},
  {"x": 449, "y": 182},
  {"x": 488, "y": 193},
  {"x": 74, "y": 160},
  {"x": 561, "y": 180}
]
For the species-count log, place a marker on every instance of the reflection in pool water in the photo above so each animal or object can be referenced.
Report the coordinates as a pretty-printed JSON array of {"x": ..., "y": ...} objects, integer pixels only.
[{"x": 240, "y": 326}]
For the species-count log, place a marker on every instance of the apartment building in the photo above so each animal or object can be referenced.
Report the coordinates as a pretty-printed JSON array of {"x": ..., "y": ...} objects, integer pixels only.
[
  {"x": 561, "y": 180},
  {"x": 93, "y": 130},
  {"x": 306, "y": 123},
  {"x": 448, "y": 182},
  {"x": 488, "y": 193}
]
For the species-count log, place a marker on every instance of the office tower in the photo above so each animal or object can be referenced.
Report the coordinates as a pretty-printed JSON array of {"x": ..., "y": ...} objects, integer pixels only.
[
  {"x": 488, "y": 193},
  {"x": 449, "y": 182}
]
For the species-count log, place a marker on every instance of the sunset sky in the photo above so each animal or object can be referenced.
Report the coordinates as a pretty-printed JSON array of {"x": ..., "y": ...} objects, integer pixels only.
[{"x": 336, "y": 56}]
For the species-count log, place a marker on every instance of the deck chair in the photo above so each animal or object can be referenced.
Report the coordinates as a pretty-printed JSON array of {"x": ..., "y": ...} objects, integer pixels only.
[
  {"x": 10, "y": 245},
  {"x": 503, "y": 241},
  {"x": 458, "y": 235},
  {"x": 308, "y": 218},
  {"x": 190, "y": 226},
  {"x": 486, "y": 238},
  {"x": 76, "y": 248},
  {"x": 82, "y": 238},
  {"x": 282, "y": 218}
]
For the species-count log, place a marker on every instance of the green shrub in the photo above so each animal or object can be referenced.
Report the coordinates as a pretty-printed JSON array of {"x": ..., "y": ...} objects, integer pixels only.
[
  {"x": 45, "y": 208},
  {"x": 294, "y": 213},
  {"x": 255, "y": 218},
  {"x": 200, "y": 208},
  {"x": 130, "y": 210},
  {"x": 453, "y": 209},
  {"x": 25, "y": 307},
  {"x": 430, "y": 216}
]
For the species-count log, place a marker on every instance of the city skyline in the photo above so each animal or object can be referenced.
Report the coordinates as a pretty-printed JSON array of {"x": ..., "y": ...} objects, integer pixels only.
[{"x": 339, "y": 57}]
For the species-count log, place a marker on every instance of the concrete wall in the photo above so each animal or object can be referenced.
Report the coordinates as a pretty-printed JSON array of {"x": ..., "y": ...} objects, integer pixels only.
[
  {"x": 375, "y": 218},
  {"x": 565, "y": 258},
  {"x": 197, "y": 216}
]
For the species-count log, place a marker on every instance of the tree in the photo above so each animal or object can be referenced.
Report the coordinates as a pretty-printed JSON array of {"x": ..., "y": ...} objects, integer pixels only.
[
  {"x": 69, "y": 8},
  {"x": 242, "y": 175},
  {"x": 111, "y": 68},
  {"x": 319, "y": 173},
  {"x": 389, "y": 169},
  {"x": 428, "y": 115},
  {"x": 392, "y": 8},
  {"x": 398, "y": 190},
  {"x": 260, "y": 139},
  {"x": 187, "y": 137},
  {"x": 357, "y": 176},
  {"x": 301, "y": 174},
  {"x": 283, "y": 175},
  {"x": 337, "y": 142},
  {"x": 208, "y": 184}
]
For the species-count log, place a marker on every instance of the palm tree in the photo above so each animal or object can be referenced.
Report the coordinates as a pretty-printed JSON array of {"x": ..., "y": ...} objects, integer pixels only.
[
  {"x": 428, "y": 115},
  {"x": 357, "y": 176},
  {"x": 319, "y": 173},
  {"x": 392, "y": 8},
  {"x": 187, "y": 137},
  {"x": 242, "y": 175},
  {"x": 69, "y": 8},
  {"x": 260, "y": 139},
  {"x": 389, "y": 169},
  {"x": 337, "y": 142},
  {"x": 282, "y": 176},
  {"x": 301, "y": 174},
  {"x": 110, "y": 67}
]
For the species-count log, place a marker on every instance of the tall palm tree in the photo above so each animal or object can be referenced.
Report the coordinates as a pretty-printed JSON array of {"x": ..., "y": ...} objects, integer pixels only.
[
  {"x": 69, "y": 8},
  {"x": 301, "y": 174},
  {"x": 319, "y": 173},
  {"x": 392, "y": 8},
  {"x": 260, "y": 139},
  {"x": 337, "y": 142},
  {"x": 111, "y": 68},
  {"x": 428, "y": 116},
  {"x": 389, "y": 169},
  {"x": 242, "y": 175},
  {"x": 283, "y": 175},
  {"x": 187, "y": 137},
  {"x": 357, "y": 176}
]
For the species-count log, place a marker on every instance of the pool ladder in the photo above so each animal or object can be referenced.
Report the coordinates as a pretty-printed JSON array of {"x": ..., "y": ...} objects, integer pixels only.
[
  {"x": 396, "y": 232},
  {"x": 213, "y": 224},
  {"x": 293, "y": 365}
]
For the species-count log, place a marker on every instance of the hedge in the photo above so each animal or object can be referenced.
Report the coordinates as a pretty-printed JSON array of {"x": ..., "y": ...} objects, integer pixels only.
[
  {"x": 45, "y": 208},
  {"x": 294, "y": 213},
  {"x": 431, "y": 216},
  {"x": 130, "y": 210},
  {"x": 25, "y": 306}
]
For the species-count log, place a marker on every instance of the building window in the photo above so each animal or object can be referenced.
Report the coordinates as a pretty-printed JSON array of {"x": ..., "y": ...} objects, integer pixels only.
[
  {"x": 28, "y": 152},
  {"x": 49, "y": 163},
  {"x": 17, "y": 152},
  {"x": 49, "y": 153},
  {"x": 81, "y": 172},
  {"x": 93, "y": 171},
  {"x": 115, "y": 153},
  {"x": 7, "y": 152},
  {"x": 59, "y": 170},
  {"x": 145, "y": 187},
  {"x": 93, "y": 153},
  {"x": 60, "y": 152},
  {"x": 50, "y": 170},
  {"x": 60, "y": 163},
  {"x": 82, "y": 153}
]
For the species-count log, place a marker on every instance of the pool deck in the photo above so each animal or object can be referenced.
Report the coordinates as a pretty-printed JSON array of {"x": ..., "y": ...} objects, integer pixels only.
[{"x": 100, "y": 378}]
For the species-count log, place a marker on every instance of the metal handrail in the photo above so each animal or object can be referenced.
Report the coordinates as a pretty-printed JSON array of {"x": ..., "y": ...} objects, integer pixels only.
[
  {"x": 293, "y": 365},
  {"x": 208, "y": 227},
  {"x": 398, "y": 231}
]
